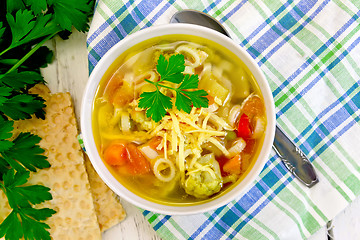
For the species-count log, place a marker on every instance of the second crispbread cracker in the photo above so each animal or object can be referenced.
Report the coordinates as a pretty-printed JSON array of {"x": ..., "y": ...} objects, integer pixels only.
[
  {"x": 67, "y": 177},
  {"x": 108, "y": 208}
]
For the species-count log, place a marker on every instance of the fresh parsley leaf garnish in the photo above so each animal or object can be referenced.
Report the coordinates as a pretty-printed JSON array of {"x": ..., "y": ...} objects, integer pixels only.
[
  {"x": 31, "y": 20},
  {"x": 13, "y": 5},
  {"x": 189, "y": 82},
  {"x": 171, "y": 70},
  {"x": 5, "y": 132},
  {"x": 37, "y": 6},
  {"x": 23, "y": 153},
  {"x": 6, "y": 128},
  {"x": 26, "y": 154},
  {"x": 21, "y": 80},
  {"x": 70, "y": 13},
  {"x": 25, "y": 25},
  {"x": 21, "y": 106},
  {"x": 24, "y": 220},
  {"x": 15, "y": 102},
  {"x": 198, "y": 98},
  {"x": 182, "y": 102},
  {"x": 2, "y": 29},
  {"x": 187, "y": 95},
  {"x": 158, "y": 103},
  {"x": 5, "y": 92}
]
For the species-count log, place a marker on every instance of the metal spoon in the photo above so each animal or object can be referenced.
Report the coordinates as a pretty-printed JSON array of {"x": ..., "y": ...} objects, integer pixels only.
[{"x": 293, "y": 158}]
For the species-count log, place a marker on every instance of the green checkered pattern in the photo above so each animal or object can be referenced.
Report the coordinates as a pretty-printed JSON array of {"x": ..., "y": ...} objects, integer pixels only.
[{"x": 309, "y": 52}]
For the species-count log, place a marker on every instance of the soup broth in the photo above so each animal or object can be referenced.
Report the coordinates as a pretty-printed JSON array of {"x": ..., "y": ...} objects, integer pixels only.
[{"x": 184, "y": 158}]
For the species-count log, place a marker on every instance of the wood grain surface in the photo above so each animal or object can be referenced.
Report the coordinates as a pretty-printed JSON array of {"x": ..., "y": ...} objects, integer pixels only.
[{"x": 69, "y": 73}]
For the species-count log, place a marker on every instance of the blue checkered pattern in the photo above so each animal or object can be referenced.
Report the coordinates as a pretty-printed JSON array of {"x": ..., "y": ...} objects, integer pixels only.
[{"x": 309, "y": 51}]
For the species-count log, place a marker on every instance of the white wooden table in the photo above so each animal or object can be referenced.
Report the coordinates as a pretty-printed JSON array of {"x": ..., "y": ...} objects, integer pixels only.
[{"x": 69, "y": 73}]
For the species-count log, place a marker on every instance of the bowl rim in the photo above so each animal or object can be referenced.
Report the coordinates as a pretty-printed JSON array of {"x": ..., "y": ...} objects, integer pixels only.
[{"x": 86, "y": 114}]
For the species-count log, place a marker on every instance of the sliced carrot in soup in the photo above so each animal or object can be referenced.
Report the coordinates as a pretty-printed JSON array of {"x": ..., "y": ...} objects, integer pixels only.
[
  {"x": 233, "y": 165},
  {"x": 210, "y": 98},
  {"x": 116, "y": 154}
]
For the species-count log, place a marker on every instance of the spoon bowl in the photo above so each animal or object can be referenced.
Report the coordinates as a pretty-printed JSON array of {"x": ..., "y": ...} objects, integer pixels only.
[{"x": 198, "y": 18}]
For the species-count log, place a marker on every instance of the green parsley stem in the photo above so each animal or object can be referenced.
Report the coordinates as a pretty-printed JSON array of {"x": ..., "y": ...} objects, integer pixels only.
[
  {"x": 3, "y": 52},
  {"x": 23, "y": 59},
  {"x": 164, "y": 86},
  {"x": 157, "y": 85},
  {"x": 150, "y": 81}
]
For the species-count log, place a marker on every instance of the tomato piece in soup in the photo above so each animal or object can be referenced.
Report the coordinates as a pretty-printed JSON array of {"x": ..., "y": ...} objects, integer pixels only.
[
  {"x": 137, "y": 162},
  {"x": 244, "y": 129},
  {"x": 233, "y": 165}
]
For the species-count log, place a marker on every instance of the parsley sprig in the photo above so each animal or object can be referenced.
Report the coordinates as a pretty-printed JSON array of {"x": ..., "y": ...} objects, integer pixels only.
[
  {"x": 17, "y": 159},
  {"x": 21, "y": 198},
  {"x": 186, "y": 93},
  {"x": 25, "y": 25}
]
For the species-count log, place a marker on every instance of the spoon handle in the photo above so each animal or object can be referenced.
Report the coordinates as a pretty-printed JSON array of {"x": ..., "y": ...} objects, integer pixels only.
[{"x": 294, "y": 159}]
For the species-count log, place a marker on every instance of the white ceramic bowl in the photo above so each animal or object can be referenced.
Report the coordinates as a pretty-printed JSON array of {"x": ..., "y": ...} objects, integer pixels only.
[{"x": 104, "y": 64}]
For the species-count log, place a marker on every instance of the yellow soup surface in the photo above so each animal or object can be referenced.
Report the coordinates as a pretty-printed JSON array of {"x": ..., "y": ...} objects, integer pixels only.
[{"x": 185, "y": 158}]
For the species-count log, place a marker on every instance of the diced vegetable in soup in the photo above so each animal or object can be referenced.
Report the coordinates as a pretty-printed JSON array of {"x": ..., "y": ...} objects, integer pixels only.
[{"x": 178, "y": 119}]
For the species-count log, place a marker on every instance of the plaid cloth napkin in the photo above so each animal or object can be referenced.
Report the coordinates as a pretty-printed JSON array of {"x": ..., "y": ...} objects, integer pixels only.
[{"x": 309, "y": 51}]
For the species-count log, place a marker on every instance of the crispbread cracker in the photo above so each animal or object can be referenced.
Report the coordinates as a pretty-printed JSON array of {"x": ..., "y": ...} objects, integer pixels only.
[
  {"x": 72, "y": 200},
  {"x": 108, "y": 209},
  {"x": 67, "y": 178}
]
